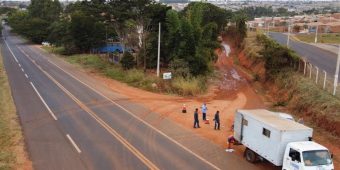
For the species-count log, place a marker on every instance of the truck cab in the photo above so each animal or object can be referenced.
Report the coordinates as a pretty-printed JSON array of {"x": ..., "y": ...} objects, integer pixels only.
[{"x": 307, "y": 155}]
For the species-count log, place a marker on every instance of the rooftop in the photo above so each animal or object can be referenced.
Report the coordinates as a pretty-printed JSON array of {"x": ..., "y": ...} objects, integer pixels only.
[
  {"x": 307, "y": 146},
  {"x": 274, "y": 120}
]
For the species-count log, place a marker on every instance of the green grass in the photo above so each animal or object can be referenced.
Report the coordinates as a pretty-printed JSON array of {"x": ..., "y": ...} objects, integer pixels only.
[
  {"x": 10, "y": 132},
  {"x": 304, "y": 97},
  {"x": 189, "y": 86},
  {"x": 137, "y": 77},
  {"x": 56, "y": 50},
  {"x": 330, "y": 38},
  {"x": 252, "y": 47},
  {"x": 301, "y": 95}
]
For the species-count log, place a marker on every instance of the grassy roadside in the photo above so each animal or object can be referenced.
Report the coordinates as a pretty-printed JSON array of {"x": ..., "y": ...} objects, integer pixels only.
[
  {"x": 12, "y": 153},
  {"x": 292, "y": 91},
  {"x": 135, "y": 77},
  {"x": 333, "y": 38}
]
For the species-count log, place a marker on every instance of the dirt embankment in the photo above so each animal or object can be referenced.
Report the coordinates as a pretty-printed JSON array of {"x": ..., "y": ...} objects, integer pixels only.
[
  {"x": 229, "y": 92},
  {"x": 323, "y": 124}
]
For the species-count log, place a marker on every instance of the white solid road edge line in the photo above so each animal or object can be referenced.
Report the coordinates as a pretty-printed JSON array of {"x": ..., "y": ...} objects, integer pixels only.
[
  {"x": 48, "y": 108},
  {"x": 135, "y": 116},
  {"x": 102, "y": 123},
  {"x": 73, "y": 143},
  {"x": 26, "y": 75},
  {"x": 19, "y": 65},
  {"x": 11, "y": 52}
]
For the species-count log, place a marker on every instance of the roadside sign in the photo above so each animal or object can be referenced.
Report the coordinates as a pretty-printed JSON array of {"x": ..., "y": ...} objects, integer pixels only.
[{"x": 167, "y": 76}]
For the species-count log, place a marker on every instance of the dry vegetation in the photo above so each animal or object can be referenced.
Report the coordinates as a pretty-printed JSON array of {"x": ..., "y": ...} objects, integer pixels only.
[
  {"x": 12, "y": 154},
  {"x": 298, "y": 94},
  {"x": 322, "y": 38},
  {"x": 137, "y": 78}
]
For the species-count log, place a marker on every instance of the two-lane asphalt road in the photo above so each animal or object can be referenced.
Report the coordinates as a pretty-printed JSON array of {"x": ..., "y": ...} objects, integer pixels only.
[
  {"x": 324, "y": 60},
  {"x": 68, "y": 124}
]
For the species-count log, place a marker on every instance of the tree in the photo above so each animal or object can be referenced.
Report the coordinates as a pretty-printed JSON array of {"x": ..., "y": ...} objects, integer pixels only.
[
  {"x": 86, "y": 31},
  {"x": 33, "y": 24},
  {"x": 18, "y": 21},
  {"x": 282, "y": 11},
  {"x": 128, "y": 61},
  {"x": 29, "y": 27},
  {"x": 210, "y": 13},
  {"x": 173, "y": 25},
  {"x": 156, "y": 13},
  {"x": 58, "y": 30},
  {"x": 48, "y": 10},
  {"x": 36, "y": 30},
  {"x": 6, "y": 10},
  {"x": 240, "y": 26}
]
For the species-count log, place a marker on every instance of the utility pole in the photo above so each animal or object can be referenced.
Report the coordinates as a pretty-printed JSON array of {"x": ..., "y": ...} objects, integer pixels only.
[
  {"x": 268, "y": 24},
  {"x": 336, "y": 76},
  {"x": 106, "y": 42},
  {"x": 159, "y": 48},
  {"x": 288, "y": 34},
  {"x": 316, "y": 33}
]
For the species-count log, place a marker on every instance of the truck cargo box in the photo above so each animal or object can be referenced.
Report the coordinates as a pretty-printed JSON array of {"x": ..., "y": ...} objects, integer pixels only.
[{"x": 267, "y": 134}]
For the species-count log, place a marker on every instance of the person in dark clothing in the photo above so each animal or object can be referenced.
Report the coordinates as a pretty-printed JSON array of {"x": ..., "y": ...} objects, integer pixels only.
[
  {"x": 217, "y": 120},
  {"x": 196, "y": 122}
]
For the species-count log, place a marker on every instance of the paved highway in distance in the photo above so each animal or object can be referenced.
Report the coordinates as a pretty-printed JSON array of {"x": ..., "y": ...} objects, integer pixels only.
[{"x": 324, "y": 60}]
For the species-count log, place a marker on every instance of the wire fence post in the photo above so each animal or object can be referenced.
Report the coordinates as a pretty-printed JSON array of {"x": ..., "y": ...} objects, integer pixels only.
[
  {"x": 335, "y": 84},
  {"x": 304, "y": 67},
  {"x": 336, "y": 76},
  {"x": 324, "y": 79},
  {"x": 317, "y": 75},
  {"x": 310, "y": 70}
]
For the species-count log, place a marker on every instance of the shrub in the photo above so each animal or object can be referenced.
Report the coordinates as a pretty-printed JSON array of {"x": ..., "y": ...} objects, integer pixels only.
[
  {"x": 114, "y": 73},
  {"x": 128, "y": 61},
  {"x": 189, "y": 86},
  {"x": 179, "y": 68},
  {"x": 134, "y": 76},
  {"x": 277, "y": 58}
]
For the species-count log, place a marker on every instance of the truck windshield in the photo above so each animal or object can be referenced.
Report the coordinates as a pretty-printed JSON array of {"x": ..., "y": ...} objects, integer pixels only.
[{"x": 317, "y": 157}]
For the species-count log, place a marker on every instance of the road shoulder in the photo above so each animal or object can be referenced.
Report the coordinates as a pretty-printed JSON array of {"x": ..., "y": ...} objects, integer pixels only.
[
  {"x": 13, "y": 154},
  {"x": 164, "y": 113}
]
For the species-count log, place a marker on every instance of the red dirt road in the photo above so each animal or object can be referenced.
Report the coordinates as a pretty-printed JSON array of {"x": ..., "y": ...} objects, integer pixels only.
[
  {"x": 233, "y": 91},
  {"x": 229, "y": 93}
]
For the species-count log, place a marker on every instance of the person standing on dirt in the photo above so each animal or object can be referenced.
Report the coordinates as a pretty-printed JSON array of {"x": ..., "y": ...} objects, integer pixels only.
[
  {"x": 196, "y": 122},
  {"x": 204, "y": 111},
  {"x": 217, "y": 120}
]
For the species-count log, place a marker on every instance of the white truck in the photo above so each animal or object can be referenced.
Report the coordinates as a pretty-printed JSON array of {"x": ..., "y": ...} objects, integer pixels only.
[{"x": 283, "y": 142}]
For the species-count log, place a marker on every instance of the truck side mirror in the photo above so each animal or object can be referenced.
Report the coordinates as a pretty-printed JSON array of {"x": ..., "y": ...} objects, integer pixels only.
[{"x": 310, "y": 138}]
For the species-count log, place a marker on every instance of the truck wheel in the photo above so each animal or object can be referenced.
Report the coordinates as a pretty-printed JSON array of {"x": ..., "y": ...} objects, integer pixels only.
[{"x": 250, "y": 155}]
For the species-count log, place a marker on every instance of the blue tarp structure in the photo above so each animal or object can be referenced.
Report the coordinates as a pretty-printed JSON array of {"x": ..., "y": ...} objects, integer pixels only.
[{"x": 110, "y": 48}]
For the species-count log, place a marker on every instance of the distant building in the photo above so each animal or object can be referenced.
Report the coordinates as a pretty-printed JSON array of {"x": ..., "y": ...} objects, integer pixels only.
[{"x": 174, "y": 1}]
